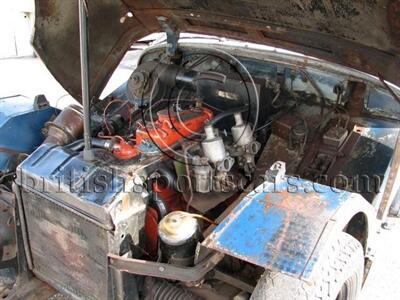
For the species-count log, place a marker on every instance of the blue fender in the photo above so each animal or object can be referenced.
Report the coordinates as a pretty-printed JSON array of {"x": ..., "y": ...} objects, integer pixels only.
[
  {"x": 284, "y": 227},
  {"x": 20, "y": 128}
]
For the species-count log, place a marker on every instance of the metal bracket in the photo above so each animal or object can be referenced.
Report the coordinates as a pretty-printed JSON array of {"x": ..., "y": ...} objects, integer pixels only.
[
  {"x": 40, "y": 102},
  {"x": 167, "y": 271},
  {"x": 172, "y": 35},
  {"x": 276, "y": 172}
]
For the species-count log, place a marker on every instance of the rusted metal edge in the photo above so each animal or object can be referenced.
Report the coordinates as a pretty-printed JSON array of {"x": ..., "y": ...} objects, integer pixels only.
[
  {"x": 24, "y": 231},
  {"x": 393, "y": 173}
]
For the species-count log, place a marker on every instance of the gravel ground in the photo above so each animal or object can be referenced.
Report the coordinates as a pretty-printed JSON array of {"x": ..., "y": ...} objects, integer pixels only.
[
  {"x": 29, "y": 77},
  {"x": 384, "y": 278}
]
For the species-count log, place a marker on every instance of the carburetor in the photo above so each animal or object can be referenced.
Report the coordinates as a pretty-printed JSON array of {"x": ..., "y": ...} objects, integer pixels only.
[
  {"x": 245, "y": 146},
  {"x": 212, "y": 169}
]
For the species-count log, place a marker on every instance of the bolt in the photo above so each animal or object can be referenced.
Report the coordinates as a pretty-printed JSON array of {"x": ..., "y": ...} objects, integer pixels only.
[{"x": 161, "y": 269}]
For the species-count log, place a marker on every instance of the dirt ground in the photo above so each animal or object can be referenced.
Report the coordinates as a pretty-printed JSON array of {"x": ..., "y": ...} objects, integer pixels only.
[{"x": 29, "y": 77}]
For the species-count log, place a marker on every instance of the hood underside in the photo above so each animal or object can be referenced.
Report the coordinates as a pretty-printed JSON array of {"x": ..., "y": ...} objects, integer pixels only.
[{"x": 364, "y": 35}]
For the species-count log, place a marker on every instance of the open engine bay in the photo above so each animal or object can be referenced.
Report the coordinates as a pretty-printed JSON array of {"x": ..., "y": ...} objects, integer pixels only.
[{"x": 175, "y": 149}]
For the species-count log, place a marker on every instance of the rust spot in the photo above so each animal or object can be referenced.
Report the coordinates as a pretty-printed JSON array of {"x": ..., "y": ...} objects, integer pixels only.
[
  {"x": 355, "y": 59},
  {"x": 355, "y": 106},
  {"x": 46, "y": 8},
  {"x": 306, "y": 204}
]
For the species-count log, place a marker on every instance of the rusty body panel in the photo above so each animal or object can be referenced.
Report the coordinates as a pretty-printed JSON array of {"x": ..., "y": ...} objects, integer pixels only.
[
  {"x": 290, "y": 226},
  {"x": 362, "y": 35},
  {"x": 287, "y": 220},
  {"x": 56, "y": 40},
  {"x": 88, "y": 243}
]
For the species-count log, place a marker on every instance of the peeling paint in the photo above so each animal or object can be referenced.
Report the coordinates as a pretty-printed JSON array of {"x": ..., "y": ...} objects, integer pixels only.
[{"x": 278, "y": 229}]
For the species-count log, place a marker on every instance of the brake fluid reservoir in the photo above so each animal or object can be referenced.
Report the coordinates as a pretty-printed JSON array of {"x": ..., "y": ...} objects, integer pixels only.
[{"x": 179, "y": 234}]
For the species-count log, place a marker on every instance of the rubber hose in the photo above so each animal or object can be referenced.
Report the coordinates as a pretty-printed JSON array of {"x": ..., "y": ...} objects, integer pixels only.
[
  {"x": 163, "y": 290},
  {"x": 96, "y": 142},
  {"x": 158, "y": 203}
]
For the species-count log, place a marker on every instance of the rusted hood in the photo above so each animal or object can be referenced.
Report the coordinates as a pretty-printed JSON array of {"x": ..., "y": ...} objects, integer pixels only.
[{"x": 364, "y": 35}]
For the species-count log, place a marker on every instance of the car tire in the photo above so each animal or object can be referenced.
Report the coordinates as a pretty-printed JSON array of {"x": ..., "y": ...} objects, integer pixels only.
[{"x": 339, "y": 276}]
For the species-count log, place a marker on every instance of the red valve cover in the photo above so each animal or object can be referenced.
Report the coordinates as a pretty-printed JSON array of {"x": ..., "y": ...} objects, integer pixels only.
[
  {"x": 171, "y": 127},
  {"x": 167, "y": 130}
]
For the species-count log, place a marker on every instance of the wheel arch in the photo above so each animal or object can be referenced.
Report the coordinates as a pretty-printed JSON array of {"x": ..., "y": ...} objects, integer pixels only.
[
  {"x": 357, "y": 227},
  {"x": 357, "y": 218}
]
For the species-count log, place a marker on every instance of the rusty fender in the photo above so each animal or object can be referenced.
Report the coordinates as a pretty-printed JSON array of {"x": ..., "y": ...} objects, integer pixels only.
[{"x": 285, "y": 227}]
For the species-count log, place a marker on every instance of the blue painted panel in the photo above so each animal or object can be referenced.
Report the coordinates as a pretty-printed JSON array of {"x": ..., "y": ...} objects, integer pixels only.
[
  {"x": 277, "y": 227},
  {"x": 21, "y": 124}
]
